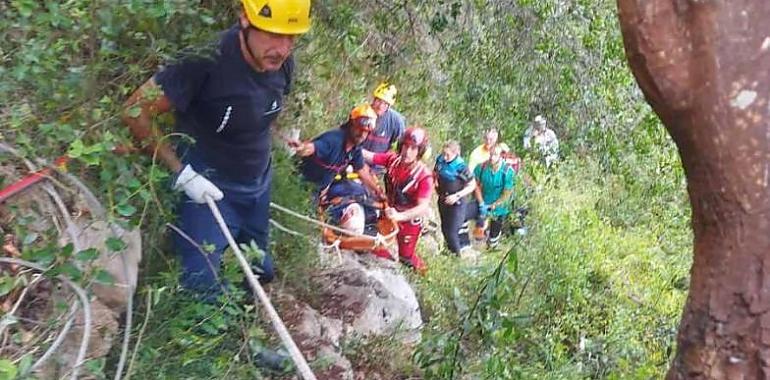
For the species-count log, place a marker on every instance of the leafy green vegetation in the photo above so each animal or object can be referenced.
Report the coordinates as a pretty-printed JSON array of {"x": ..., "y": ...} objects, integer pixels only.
[{"x": 593, "y": 291}]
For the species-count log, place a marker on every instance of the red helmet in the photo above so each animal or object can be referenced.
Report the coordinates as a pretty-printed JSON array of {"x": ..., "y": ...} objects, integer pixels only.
[{"x": 415, "y": 136}]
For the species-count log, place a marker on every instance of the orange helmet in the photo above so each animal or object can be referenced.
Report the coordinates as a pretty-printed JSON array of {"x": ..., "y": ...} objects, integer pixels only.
[
  {"x": 415, "y": 136},
  {"x": 363, "y": 117}
]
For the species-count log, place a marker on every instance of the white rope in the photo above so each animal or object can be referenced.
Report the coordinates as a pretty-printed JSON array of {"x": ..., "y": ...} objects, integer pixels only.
[
  {"x": 280, "y": 328},
  {"x": 381, "y": 240},
  {"x": 331, "y": 227},
  {"x": 336, "y": 248},
  {"x": 289, "y": 231},
  {"x": 83, "y": 301},
  {"x": 59, "y": 338}
]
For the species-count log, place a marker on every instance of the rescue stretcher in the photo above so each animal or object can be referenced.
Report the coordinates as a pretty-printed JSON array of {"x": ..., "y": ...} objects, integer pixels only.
[
  {"x": 380, "y": 233},
  {"x": 385, "y": 230}
]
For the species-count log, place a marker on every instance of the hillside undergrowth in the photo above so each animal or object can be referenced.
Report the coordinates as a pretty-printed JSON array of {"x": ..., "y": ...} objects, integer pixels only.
[{"x": 594, "y": 290}]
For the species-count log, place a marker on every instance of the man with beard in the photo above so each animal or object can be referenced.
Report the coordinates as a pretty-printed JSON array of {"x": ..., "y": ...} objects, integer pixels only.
[
  {"x": 330, "y": 153},
  {"x": 227, "y": 102}
]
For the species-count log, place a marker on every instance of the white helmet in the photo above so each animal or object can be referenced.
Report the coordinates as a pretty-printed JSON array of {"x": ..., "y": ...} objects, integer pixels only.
[{"x": 353, "y": 218}]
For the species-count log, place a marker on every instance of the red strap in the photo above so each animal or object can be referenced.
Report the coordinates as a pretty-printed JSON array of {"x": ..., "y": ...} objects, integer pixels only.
[{"x": 335, "y": 168}]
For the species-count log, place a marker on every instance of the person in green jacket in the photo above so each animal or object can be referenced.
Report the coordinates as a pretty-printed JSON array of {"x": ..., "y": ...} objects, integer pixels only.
[{"x": 495, "y": 180}]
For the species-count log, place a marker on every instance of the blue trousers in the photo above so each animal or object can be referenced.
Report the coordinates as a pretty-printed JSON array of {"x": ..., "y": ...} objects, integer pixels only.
[
  {"x": 454, "y": 224},
  {"x": 245, "y": 209}
]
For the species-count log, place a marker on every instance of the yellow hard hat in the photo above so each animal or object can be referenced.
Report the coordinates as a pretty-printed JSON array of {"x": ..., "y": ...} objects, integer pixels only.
[
  {"x": 278, "y": 16},
  {"x": 386, "y": 92}
]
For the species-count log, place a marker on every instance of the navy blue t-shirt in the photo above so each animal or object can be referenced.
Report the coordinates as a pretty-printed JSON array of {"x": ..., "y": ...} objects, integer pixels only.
[
  {"x": 390, "y": 127},
  {"x": 227, "y": 107},
  {"x": 330, "y": 158}
]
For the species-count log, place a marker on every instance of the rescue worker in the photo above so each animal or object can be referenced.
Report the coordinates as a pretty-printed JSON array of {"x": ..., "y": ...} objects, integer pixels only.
[
  {"x": 408, "y": 185},
  {"x": 481, "y": 153},
  {"x": 331, "y": 152},
  {"x": 228, "y": 103},
  {"x": 453, "y": 182},
  {"x": 390, "y": 124},
  {"x": 542, "y": 138},
  {"x": 495, "y": 181}
]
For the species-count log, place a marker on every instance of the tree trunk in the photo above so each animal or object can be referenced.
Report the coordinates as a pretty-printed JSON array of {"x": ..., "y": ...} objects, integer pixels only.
[{"x": 704, "y": 66}]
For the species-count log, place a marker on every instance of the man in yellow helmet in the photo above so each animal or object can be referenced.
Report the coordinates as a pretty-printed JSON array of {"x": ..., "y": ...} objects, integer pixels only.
[
  {"x": 390, "y": 124},
  {"x": 227, "y": 101}
]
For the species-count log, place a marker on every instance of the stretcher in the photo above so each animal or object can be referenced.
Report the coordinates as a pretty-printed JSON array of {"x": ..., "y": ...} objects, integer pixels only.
[{"x": 382, "y": 233}]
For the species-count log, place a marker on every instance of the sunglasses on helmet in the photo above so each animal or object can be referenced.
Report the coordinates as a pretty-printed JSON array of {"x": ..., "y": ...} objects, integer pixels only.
[{"x": 366, "y": 122}]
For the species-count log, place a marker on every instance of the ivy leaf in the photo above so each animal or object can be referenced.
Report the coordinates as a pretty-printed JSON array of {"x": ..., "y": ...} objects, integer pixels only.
[
  {"x": 104, "y": 277},
  {"x": 7, "y": 284},
  {"x": 133, "y": 183},
  {"x": 68, "y": 270},
  {"x": 115, "y": 244},
  {"x": 25, "y": 8},
  {"x": 76, "y": 149},
  {"x": 44, "y": 255},
  {"x": 30, "y": 238},
  {"x": 7, "y": 370},
  {"x": 25, "y": 363},
  {"x": 89, "y": 254},
  {"x": 95, "y": 366},
  {"x": 125, "y": 209},
  {"x": 134, "y": 111},
  {"x": 67, "y": 250}
]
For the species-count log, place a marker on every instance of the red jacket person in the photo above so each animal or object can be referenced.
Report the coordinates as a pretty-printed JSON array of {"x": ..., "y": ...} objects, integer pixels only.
[{"x": 408, "y": 186}]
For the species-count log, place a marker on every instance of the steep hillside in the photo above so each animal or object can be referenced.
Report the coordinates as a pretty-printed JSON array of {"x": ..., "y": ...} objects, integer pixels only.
[{"x": 593, "y": 291}]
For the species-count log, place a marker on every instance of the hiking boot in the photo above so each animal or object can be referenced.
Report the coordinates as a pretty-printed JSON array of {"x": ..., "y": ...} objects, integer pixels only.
[
  {"x": 273, "y": 361},
  {"x": 382, "y": 253},
  {"x": 416, "y": 263}
]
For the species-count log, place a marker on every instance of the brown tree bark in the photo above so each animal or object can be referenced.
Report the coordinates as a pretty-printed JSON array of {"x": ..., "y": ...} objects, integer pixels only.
[{"x": 704, "y": 66}]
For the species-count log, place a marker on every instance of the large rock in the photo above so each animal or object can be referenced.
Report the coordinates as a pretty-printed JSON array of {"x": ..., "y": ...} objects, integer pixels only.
[
  {"x": 356, "y": 297},
  {"x": 317, "y": 337},
  {"x": 370, "y": 296}
]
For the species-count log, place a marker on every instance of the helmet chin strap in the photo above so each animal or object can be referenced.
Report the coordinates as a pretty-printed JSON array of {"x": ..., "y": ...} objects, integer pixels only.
[{"x": 245, "y": 32}]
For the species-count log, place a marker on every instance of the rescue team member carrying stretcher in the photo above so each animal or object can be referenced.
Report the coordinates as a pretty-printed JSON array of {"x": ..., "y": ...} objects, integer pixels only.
[
  {"x": 408, "y": 186},
  {"x": 330, "y": 153}
]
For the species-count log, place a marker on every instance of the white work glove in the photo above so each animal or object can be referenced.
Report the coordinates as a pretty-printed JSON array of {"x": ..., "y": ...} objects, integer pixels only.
[{"x": 196, "y": 186}]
